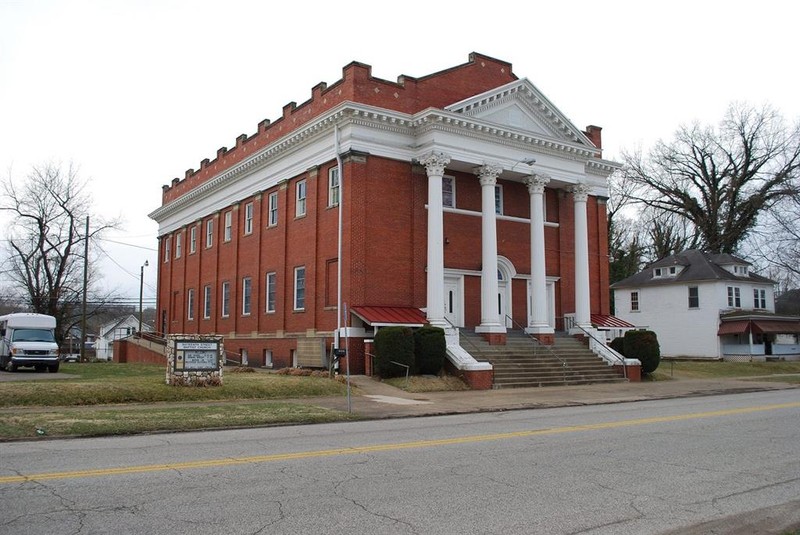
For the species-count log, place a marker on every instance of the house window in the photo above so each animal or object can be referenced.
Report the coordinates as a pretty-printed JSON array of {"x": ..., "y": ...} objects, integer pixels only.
[
  {"x": 192, "y": 239},
  {"x": 226, "y": 299},
  {"x": 759, "y": 298},
  {"x": 734, "y": 297},
  {"x": 634, "y": 301},
  {"x": 248, "y": 218},
  {"x": 694, "y": 297},
  {"x": 228, "y": 223},
  {"x": 448, "y": 192},
  {"x": 247, "y": 284},
  {"x": 207, "y": 302},
  {"x": 498, "y": 199},
  {"x": 167, "y": 248},
  {"x": 300, "y": 203},
  {"x": 178, "y": 245},
  {"x": 271, "y": 280},
  {"x": 658, "y": 272},
  {"x": 300, "y": 288},
  {"x": 209, "y": 233},
  {"x": 273, "y": 209},
  {"x": 190, "y": 304},
  {"x": 673, "y": 270},
  {"x": 333, "y": 187}
]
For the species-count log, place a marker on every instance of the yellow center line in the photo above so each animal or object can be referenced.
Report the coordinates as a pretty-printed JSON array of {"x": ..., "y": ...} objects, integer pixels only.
[{"x": 386, "y": 447}]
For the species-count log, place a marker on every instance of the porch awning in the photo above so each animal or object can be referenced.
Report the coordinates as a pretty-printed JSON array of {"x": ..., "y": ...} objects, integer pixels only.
[
  {"x": 610, "y": 322},
  {"x": 378, "y": 316},
  {"x": 776, "y": 327},
  {"x": 733, "y": 327}
]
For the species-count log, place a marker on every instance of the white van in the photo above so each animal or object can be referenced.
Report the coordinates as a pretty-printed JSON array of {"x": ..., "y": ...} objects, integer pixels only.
[{"x": 28, "y": 340}]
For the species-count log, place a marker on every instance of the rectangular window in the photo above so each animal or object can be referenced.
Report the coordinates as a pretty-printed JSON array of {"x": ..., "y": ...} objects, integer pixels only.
[
  {"x": 209, "y": 233},
  {"x": 190, "y": 304},
  {"x": 226, "y": 299},
  {"x": 271, "y": 287},
  {"x": 759, "y": 298},
  {"x": 300, "y": 288},
  {"x": 448, "y": 192},
  {"x": 228, "y": 223},
  {"x": 300, "y": 204},
  {"x": 247, "y": 285},
  {"x": 694, "y": 297},
  {"x": 734, "y": 297},
  {"x": 207, "y": 302},
  {"x": 248, "y": 218},
  {"x": 634, "y": 301},
  {"x": 192, "y": 239},
  {"x": 167, "y": 248},
  {"x": 273, "y": 209},
  {"x": 268, "y": 358},
  {"x": 178, "y": 244},
  {"x": 333, "y": 187},
  {"x": 498, "y": 199}
]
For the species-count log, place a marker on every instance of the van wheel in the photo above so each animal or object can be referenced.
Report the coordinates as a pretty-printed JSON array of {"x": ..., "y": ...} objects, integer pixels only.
[
  {"x": 53, "y": 368},
  {"x": 10, "y": 366}
]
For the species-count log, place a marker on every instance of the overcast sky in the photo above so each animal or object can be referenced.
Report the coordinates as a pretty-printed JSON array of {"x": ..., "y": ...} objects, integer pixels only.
[{"x": 136, "y": 92}]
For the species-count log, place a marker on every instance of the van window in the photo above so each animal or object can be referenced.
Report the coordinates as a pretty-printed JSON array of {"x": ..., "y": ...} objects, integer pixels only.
[{"x": 32, "y": 335}]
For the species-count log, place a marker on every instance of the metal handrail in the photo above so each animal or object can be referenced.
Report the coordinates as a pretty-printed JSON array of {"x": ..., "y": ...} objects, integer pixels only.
[
  {"x": 538, "y": 343},
  {"x": 620, "y": 358},
  {"x": 458, "y": 330}
]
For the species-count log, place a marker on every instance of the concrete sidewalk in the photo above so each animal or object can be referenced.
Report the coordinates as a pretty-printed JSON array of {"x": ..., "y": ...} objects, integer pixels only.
[{"x": 376, "y": 400}]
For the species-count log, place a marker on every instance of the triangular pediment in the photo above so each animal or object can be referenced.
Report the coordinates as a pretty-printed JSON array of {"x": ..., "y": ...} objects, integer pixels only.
[{"x": 519, "y": 105}]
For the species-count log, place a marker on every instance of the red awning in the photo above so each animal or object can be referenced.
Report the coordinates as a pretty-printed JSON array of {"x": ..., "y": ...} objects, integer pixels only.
[
  {"x": 610, "y": 322},
  {"x": 733, "y": 327},
  {"x": 776, "y": 327},
  {"x": 385, "y": 316}
]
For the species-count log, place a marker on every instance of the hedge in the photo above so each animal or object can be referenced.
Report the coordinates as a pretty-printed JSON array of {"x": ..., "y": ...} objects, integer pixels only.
[
  {"x": 394, "y": 344},
  {"x": 430, "y": 350},
  {"x": 643, "y": 345}
]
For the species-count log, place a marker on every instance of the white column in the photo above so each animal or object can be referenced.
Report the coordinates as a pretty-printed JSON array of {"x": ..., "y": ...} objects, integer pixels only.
[
  {"x": 538, "y": 323},
  {"x": 435, "y": 164},
  {"x": 580, "y": 194},
  {"x": 491, "y": 322}
]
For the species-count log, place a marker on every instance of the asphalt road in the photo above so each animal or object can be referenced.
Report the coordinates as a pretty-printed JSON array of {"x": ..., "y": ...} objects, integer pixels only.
[{"x": 629, "y": 468}]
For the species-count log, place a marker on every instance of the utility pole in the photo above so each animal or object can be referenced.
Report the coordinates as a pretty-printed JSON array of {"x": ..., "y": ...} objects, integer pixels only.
[{"x": 85, "y": 285}]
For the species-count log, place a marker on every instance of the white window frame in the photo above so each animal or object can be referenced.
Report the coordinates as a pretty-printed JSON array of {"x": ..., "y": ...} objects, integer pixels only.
[
  {"x": 635, "y": 303},
  {"x": 734, "y": 297},
  {"x": 498, "y": 199},
  {"x": 178, "y": 245},
  {"x": 190, "y": 304},
  {"x": 301, "y": 193},
  {"x": 227, "y": 235},
  {"x": 697, "y": 296},
  {"x": 759, "y": 298},
  {"x": 167, "y": 248},
  {"x": 271, "y": 288},
  {"x": 226, "y": 299},
  {"x": 273, "y": 209},
  {"x": 247, "y": 292},
  {"x": 449, "y": 190},
  {"x": 333, "y": 187},
  {"x": 248, "y": 218},
  {"x": 192, "y": 239},
  {"x": 209, "y": 234},
  {"x": 299, "y": 288},
  {"x": 206, "y": 302}
]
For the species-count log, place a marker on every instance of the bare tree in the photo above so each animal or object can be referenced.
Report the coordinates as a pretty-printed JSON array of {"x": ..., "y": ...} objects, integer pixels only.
[
  {"x": 46, "y": 241},
  {"x": 721, "y": 180}
]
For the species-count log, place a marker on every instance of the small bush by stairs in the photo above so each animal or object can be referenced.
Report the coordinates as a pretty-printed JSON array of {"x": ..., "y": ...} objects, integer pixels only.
[{"x": 522, "y": 362}]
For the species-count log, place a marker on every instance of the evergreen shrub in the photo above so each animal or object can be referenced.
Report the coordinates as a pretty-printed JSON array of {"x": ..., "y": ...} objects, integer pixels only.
[
  {"x": 430, "y": 350},
  {"x": 643, "y": 345},
  {"x": 618, "y": 345},
  {"x": 393, "y": 344}
]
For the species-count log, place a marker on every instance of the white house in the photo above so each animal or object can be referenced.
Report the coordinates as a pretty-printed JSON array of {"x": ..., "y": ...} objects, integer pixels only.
[
  {"x": 117, "y": 329},
  {"x": 707, "y": 306}
]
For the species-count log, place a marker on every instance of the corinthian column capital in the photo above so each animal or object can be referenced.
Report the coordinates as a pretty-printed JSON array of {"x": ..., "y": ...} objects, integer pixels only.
[
  {"x": 435, "y": 163},
  {"x": 488, "y": 173},
  {"x": 536, "y": 183},
  {"x": 580, "y": 191}
]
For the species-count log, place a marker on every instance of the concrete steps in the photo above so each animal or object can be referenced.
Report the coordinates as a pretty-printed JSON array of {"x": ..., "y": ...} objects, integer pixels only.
[{"x": 522, "y": 362}]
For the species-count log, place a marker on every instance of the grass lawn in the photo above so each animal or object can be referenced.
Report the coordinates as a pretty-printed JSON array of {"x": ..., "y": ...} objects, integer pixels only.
[
  {"x": 427, "y": 383},
  {"x": 681, "y": 369},
  {"x": 83, "y": 406}
]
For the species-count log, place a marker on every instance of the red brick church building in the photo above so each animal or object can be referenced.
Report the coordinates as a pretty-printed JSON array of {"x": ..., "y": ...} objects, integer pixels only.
[{"x": 466, "y": 199}]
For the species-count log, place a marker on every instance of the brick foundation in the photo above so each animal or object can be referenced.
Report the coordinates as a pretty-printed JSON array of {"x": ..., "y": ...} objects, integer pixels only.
[
  {"x": 634, "y": 372},
  {"x": 547, "y": 339},
  {"x": 495, "y": 339},
  {"x": 477, "y": 380}
]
